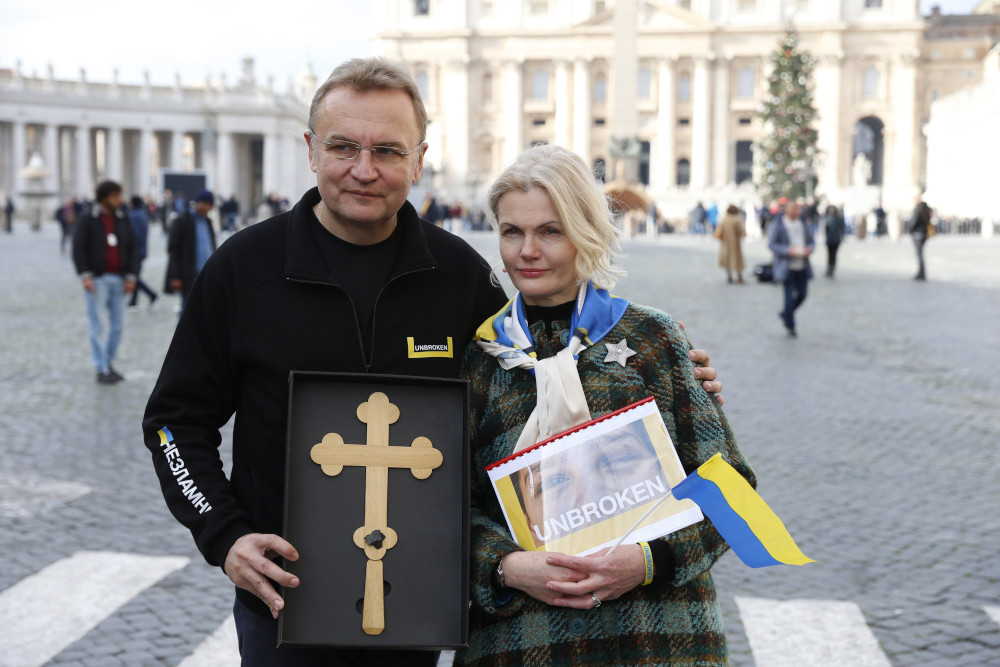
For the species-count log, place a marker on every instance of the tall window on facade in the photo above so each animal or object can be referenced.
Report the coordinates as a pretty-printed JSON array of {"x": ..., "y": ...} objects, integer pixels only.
[
  {"x": 802, "y": 5},
  {"x": 746, "y": 80},
  {"x": 538, "y": 7},
  {"x": 684, "y": 171},
  {"x": 873, "y": 4},
  {"x": 869, "y": 85},
  {"x": 599, "y": 6},
  {"x": 644, "y": 162},
  {"x": 645, "y": 83},
  {"x": 421, "y": 7},
  {"x": 744, "y": 161},
  {"x": 540, "y": 85},
  {"x": 747, "y": 5},
  {"x": 486, "y": 8},
  {"x": 600, "y": 88},
  {"x": 684, "y": 88},
  {"x": 684, "y": 4},
  {"x": 487, "y": 88}
]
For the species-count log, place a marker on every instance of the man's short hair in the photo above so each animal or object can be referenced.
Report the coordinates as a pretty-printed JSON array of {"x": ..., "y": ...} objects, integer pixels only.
[
  {"x": 105, "y": 189},
  {"x": 362, "y": 74}
]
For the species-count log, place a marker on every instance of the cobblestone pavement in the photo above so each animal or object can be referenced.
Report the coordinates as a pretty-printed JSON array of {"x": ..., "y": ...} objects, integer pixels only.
[{"x": 874, "y": 434}]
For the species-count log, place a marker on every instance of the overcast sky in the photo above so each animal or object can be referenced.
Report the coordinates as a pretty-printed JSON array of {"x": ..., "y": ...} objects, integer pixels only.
[{"x": 198, "y": 37}]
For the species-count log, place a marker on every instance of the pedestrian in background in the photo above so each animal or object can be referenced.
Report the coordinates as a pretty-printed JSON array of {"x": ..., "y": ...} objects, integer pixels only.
[
  {"x": 140, "y": 227},
  {"x": 920, "y": 229},
  {"x": 791, "y": 241},
  {"x": 711, "y": 216},
  {"x": 191, "y": 242},
  {"x": 230, "y": 210},
  {"x": 105, "y": 256},
  {"x": 833, "y": 229},
  {"x": 8, "y": 214},
  {"x": 730, "y": 232},
  {"x": 66, "y": 215},
  {"x": 696, "y": 219}
]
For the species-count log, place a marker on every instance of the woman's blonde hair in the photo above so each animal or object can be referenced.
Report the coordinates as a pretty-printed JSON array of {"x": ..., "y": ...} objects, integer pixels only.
[{"x": 583, "y": 209}]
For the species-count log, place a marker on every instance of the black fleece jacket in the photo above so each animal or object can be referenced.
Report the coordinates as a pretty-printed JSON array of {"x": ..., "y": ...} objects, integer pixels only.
[{"x": 267, "y": 302}]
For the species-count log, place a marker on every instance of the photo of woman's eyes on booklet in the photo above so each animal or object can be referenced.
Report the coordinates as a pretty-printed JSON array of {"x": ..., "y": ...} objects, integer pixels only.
[
  {"x": 595, "y": 481},
  {"x": 594, "y": 485}
]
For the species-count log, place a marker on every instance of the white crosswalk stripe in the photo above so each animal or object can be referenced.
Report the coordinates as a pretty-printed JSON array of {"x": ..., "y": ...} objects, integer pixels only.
[
  {"x": 993, "y": 613},
  {"x": 218, "y": 650},
  {"x": 809, "y": 633},
  {"x": 46, "y": 612}
]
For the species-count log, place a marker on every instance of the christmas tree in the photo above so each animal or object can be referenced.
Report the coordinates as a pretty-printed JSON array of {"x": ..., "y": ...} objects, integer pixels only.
[{"x": 785, "y": 156}]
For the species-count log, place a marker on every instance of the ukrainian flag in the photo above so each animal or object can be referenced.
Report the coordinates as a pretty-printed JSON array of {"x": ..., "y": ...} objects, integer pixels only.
[{"x": 740, "y": 515}]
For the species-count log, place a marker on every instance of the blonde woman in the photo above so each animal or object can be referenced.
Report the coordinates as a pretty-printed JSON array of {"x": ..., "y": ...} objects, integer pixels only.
[{"x": 557, "y": 243}]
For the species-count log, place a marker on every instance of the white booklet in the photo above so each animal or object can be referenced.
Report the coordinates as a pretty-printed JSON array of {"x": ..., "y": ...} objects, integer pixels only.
[{"x": 581, "y": 490}]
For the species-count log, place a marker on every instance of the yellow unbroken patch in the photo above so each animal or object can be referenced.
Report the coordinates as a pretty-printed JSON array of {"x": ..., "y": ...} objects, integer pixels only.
[{"x": 426, "y": 350}]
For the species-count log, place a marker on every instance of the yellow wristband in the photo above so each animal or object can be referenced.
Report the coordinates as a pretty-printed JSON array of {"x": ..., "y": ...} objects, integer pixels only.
[{"x": 648, "y": 555}]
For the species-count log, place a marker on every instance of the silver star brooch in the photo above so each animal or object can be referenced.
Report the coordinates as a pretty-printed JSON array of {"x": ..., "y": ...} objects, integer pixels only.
[{"x": 618, "y": 352}]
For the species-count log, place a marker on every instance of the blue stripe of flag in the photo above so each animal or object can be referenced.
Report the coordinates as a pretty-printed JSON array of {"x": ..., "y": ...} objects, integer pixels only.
[{"x": 731, "y": 526}]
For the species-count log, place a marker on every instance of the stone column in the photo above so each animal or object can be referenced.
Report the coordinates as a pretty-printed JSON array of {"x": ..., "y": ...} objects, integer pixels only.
[
  {"x": 113, "y": 158},
  {"x": 581, "y": 109},
  {"x": 828, "y": 139},
  {"x": 701, "y": 121},
  {"x": 564, "y": 104},
  {"x": 224, "y": 182},
  {"x": 512, "y": 91},
  {"x": 84, "y": 160},
  {"x": 625, "y": 72},
  {"x": 455, "y": 75},
  {"x": 51, "y": 154},
  {"x": 144, "y": 163},
  {"x": 664, "y": 159},
  {"x": 900, "y": 177},
  {"x": 176, "y": 147},
  {"x": 722, "y": 151},
  {"x": 19, "y": 147},
  {"x": 271, "y": 158}
]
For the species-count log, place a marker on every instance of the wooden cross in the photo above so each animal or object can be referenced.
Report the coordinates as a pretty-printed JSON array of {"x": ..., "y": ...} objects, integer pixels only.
[{"x": 375, "y": 537}]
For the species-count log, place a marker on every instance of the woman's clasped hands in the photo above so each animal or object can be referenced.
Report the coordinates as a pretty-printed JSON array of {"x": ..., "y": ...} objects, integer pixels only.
[{"x": 562, "y": 580}]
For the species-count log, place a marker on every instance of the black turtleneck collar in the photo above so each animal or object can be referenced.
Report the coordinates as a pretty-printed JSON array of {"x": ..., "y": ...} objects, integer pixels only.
[{"x": 548, "y": 314}]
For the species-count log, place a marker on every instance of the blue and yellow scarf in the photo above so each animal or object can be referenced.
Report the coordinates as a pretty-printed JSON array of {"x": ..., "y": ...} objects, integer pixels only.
[{"x": 561, "y": 401}]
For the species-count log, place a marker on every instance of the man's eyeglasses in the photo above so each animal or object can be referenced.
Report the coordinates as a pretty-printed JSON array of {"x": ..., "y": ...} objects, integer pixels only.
[{"x": 348, "y": 150}]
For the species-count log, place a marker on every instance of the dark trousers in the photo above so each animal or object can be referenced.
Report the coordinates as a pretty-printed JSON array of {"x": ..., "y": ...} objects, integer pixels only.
[
  {"x": 795, "y": 293},
  {"x": 918, "y": 242},
  {"x": 141, "y": 286},
  {"x": 258, "y": 636},
  {"x": 831, "y": 257}
]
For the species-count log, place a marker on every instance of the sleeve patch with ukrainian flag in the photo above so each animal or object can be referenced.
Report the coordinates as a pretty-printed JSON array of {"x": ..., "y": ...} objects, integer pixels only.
[
  {"x": 428, "y": 349},
  {"x": 181, "y": 473}
]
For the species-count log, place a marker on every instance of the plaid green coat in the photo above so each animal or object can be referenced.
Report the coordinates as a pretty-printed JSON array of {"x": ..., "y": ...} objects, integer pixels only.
[{"x": 666, "y": 623}]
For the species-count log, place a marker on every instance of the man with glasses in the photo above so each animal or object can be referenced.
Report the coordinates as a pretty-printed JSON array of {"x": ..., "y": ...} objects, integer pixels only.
[{"x": 349, "y": 280}]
